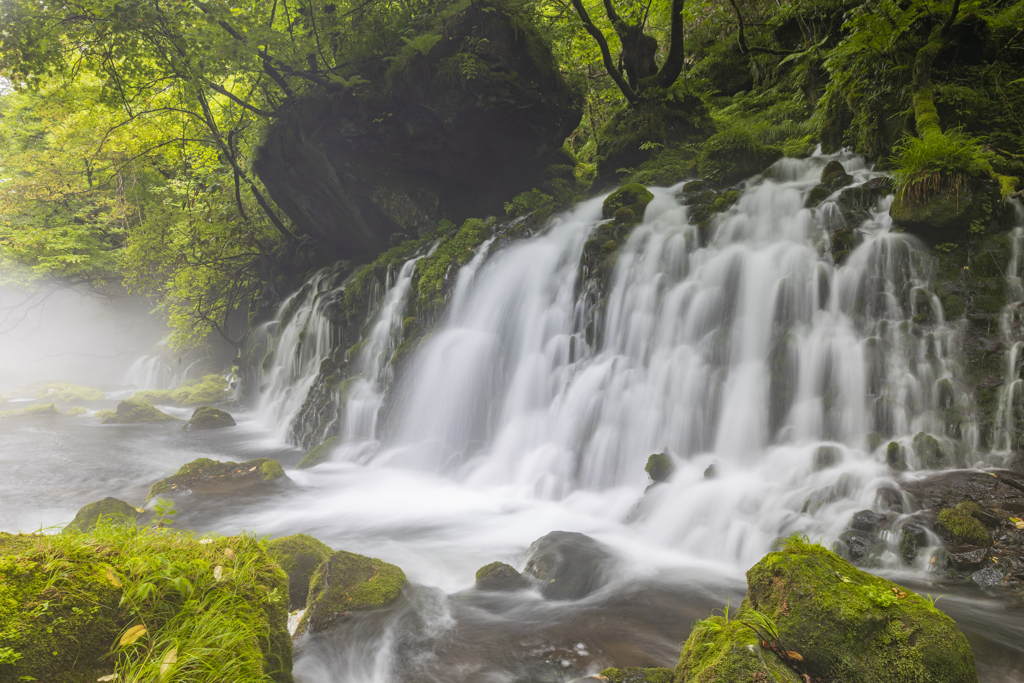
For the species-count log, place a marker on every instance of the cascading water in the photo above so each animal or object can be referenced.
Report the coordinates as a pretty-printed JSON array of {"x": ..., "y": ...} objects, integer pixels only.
[{"x": 153, "y": 372}]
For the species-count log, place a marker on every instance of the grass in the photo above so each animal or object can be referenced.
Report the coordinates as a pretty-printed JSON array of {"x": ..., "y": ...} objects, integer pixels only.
[{"x": 939, "y": 163}]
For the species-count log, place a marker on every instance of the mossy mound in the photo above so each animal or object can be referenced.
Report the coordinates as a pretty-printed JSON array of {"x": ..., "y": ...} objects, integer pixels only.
[
  {"x": 498, "y": 576},
  {"x": 75, "y": 410},
  {"x": 348, "y": 583},
  {"x": 733, "y": 155},
  {"x": 112, "y": 511},
  {"x": 945, "y": 216},
  {"x": 636, "y": 674},
  {"x": 62, "y": 392},
  {"x": 626, "y": 205},
  {"x": 212, "y": 476},
  {"x": 298, "y": 555},
  {"x": 721, "y": 651},
  {"x": 209, "y": 390},
  {"x": 660, "y": 467},
  {"x": 48, "y": 409},
  {"x": 852, "y": 627},
  {"x": 834, "y": 176},
  {"x": 958, "y": 525},
  {"x": 318, "y": 454},
  {"x": 136, "y": 412},
  {"x": 208, "y": 417},
  {"x": 64, "y": 616}
]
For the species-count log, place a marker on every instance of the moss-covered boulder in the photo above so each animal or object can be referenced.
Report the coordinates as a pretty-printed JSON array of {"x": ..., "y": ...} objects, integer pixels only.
[
  {"x": 834, "y": 176},
  {"x": 959, "y": 526},
  {"x": 945, "y": 216},
  {"x": 498, "y": 576},
  {"x": 636, "y": 674},
  {"x": 298, "y": 555},
  {"x": 569, "y": 565},
  {"x": 40, "y": 409},
  {"x": 209, "y": 390},
  {"x": 851, "y": 627},
  {"x": 62, "y": 616},
  {"x": 61, "y": 392},
  {"x": 214, "y": 477},
  {"x": 728, "y": 651},
  {"x": 136, "y": 412},
  {"x": 733, "y": 155},
  {"x": 208, "y": 417},
  {"x": 112, "y": 511},
  {"x": 319, "y": 454},
  {"x": 633, "y": 197},
  {"x": 660, "y": 467},
  {"x": 347, "y": 583}
]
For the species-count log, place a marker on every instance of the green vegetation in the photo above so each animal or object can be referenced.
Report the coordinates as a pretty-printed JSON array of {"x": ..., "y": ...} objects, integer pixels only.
[
  {"x": 627, "y": 204},
  {"x": 211, "y": 389},
  {"x": 957, "y": 525},
  {"x": 660, "y": 467},
  {"x": 298, "y": 555},
  {"x": 348, "y": 582},
  {"x": 106, "y": 511},
  {"x": 39, "y": 409},
  {"x": 498, "y": 576},
  {"x": 206, "y": 417},
  {"x": 635, "y": 674},
  {"x": 136, "y": 412},
  {"x": 318, "y": 454},
  {"x": 68, "y": 393},
  {"x": 141, "y": 604},
  {"x": 204, "y": 475},
  {"x": 432, "y": 271}
]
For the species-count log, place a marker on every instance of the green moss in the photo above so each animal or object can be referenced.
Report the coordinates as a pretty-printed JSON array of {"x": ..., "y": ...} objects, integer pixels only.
[
  {"x": 211, "y": 389},
  {"x": 956, "y": 525},
  {"x": 103, "y": 414},
  {"x": 318, "y": 454},
  {"x": 852, "y": 627},
  {"x": 68, "y": 393},
  {"x": 528, "y": 201},
  {"x": 498, "y": 576},
  {"x": 298, "y": 555},
  {"x": 626, "y": 205},
  {"x": 136, "y": 412},
  {"x": 347, "y": 583},
  {"x": 75, "y": 410},
  {"x": 635, "y": 674},
  {"x": 928, "y": 451},
  {"x": 727, "y": 651},
  {"x": 660, "y": 466},
  {"x": 208, "y": 417},
  {"x": 112, "y": 511},
  {"x": 432, "y": 271},
  {"x": 48, "y": 409},
  {"x": 733, "y": 155},
  {"x": 212, "y": 476}
]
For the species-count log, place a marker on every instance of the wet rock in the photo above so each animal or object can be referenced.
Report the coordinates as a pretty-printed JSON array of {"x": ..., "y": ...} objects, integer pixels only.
[
  {"x": 136, "y": 412},
  {"x": 816, "y": 196},
  {"x": 112, "y": 510},
  {"x": 207, "y": 417},
  {"x": 896, "y": 457},
  {"x": 720, "y": 651},
  {"x": 928, "y": 451},
  {"x": 834, "y": 176},
  {"x": 945, "y": 216},
  {"x": 913, "y": 537},
  {"x": 636, "y": 674},
  {"x": 889, "y": 498},
  {"x": 319, "y": 454},
  {"x": 990, "y": 577},
  {"x": 498, "y": 576},
  {"x": 826, "y": 457},
  {"x": 711, "y": 472},
  {"x": 965, "y": 557},
  {"x": 958, "y": 526},
  {"x": 869, "y": 521},
  {"x": 298, "y": 555},
  {"x": 660, "y": 467},
  {"x": 849, "y": 626},
  {"x": 627, "y": 204},
  {"x": 855, "y": 546},
  {"x": 347, "y": 583},
  {"x": 214, "y": 477},
  {"x": 569, "y": 565}
]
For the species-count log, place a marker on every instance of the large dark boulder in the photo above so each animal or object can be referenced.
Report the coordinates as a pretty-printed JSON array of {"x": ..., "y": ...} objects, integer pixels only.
[
  {"x": 569, "y": 565},
  {"x": 449, "y": 131}
]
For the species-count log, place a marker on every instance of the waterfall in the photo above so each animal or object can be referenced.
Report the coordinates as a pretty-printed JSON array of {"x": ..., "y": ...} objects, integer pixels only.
[
  {"x": 153, "y": 372},
  {"x": 1011, "y": 399}
]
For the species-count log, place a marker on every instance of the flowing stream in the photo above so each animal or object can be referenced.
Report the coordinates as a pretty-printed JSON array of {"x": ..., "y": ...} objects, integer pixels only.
[{"x": 773, "y": 378}]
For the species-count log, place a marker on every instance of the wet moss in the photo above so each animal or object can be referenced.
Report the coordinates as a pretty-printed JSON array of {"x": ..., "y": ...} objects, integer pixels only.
[
  {"x": 348, "y": 583},
  {"x": 633, "y": 198},
  {"x": 211, "y": 389},
  {"x": 498, "y": 576},
  {"x": 48, "y": 409},
  {"x": 136, "y": 412},
  {"x": 733, "y": 155},
  {"x": 659, "y": 467},
  {"x": 958, "y": 526},
  {"x": 68, "y": 393},
  {"x": 636, "y": 674},
  {"x": 727, "y": 651},
  {"x": 111, "y": 510},
  {"x": 431, "y": 272},
  {"x": 208, "y": 417},
  {"x": 215, "y": 476},
  {"x": 318, "y": 454},
  {"x": 298, "y": 555},
  {"x": 852, "y": 627}
]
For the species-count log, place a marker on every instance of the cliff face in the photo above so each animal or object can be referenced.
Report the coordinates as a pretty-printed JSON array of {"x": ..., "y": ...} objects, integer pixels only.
[{"x": 458, "y": 122}]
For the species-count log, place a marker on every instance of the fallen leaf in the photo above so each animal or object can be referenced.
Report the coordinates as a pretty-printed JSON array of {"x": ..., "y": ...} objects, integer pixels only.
[
  {"x": 218, "y": 572},
  {"x": 133, "y": 634},
  {"x": 139, "y": 510},
  {"x": 229, "y": 553},
  {"x": 104, "y": 679},
  {"x": 112, "y": 578},
  {"x": 206, "y": 541},
  {"x": 933, "y": 561},
  {"x": 899, "y": 593},
  {"x": 794, "y": 655},
  {"x": 253, "y": 469},
  {"x": 170, "y": 657}
]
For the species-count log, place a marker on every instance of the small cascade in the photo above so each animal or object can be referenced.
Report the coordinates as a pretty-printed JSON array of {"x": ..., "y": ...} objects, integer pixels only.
[
  {"x": 154, "y": 371},
  {"x": 1011, "y": 320}
]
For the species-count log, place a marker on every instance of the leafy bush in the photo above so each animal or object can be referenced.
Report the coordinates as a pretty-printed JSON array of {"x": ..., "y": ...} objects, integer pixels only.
[{"x": 935, "y": 164}]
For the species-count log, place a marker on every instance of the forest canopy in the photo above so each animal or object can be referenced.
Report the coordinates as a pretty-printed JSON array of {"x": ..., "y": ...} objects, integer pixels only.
[{"x": 128, "y": 129}]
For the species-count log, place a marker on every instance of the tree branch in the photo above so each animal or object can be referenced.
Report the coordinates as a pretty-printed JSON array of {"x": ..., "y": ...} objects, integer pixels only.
[{"x": 606, "y": 54}]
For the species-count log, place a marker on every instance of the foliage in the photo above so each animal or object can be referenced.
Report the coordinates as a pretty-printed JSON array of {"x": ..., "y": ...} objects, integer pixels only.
[
  {"x": 941, "y": 163},
  {"x": 432, "y": 271},
  {"x": 525, "y": 202}
]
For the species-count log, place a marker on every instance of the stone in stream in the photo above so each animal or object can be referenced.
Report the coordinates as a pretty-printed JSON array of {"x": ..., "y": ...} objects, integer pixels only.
[
  {"x": 868, "y": 521},
  {"x": 347, "y": 583},
  {"x": 660, "y": 467},
  {"x": 299, "y": 555},
  {"x": 136, "y": 412},
  {"x": 208, "y": 417},
  {"x": 214, "y": 477},
  {"x": 498, "y": 576},
  {"x": 569, "y": 565},
  {"x": 831, "y": 622},
  {"x": 318, "y": 454},
  {"x": 634, "y": 674},
  {"x": 111, "y": 509}
]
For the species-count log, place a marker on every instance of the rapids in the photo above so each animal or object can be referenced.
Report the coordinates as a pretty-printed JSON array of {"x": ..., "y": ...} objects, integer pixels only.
[{"x": 772, "y": 377}]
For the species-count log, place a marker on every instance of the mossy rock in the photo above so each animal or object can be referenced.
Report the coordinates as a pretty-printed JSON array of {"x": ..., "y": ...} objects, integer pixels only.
[
  {"x": 208, "y": 417},
  {"x": 347, "y": 583},
  {"x": 852, "y": 627},
  {"x": 498, "y": 576},
  {"x": 47, "y": 409},
  {"x": 942, "y": 217},
  {"x": 636, "y": 674},
  {"x": 298, "y": 555},
  {"x": 68, "y": 393},
  {"x": 816, "y": 196},
  {"x": 834, "y": 176},
  {"x": 319, "y": 454},
  {"x": 209, "y": 390},
  {"x": 212, "y": 476},
  {"x": 959, "y": 526},
  {"x": 720, "y": 651},
  {"x": 74, "y": 411},
  {"x": 660, "y": 467},
  {"x": 112, "y": 510},
  {"x": 733, "y": 155},
  {"x": 632, "y": 197},
  {"x": 136, "y": 412}
]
